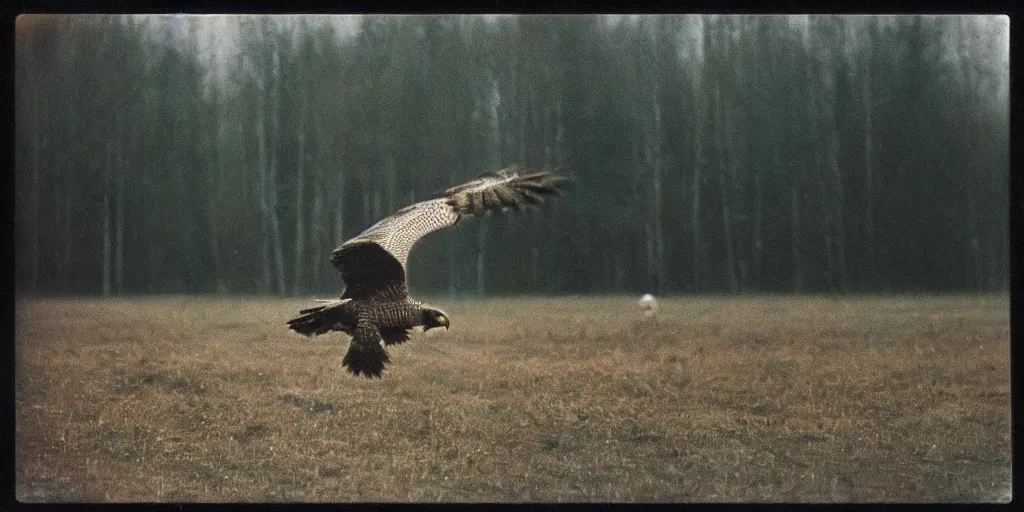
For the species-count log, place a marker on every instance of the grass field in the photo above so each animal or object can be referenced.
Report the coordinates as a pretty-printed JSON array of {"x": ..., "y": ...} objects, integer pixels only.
[{"x": 720, "y": 399}]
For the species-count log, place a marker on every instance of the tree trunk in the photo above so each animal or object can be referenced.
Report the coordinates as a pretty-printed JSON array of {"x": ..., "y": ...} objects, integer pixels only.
[
  {"x": 273, "y": 253},
  {"x": 390, "y": 187},
  {"x": 108, "y": 163},
  {"x": 976, "y": 237},
  {"x": 262, "y": 157},
  {"x": 66, "y": 267},
  {"x": 798, "y": 267},
  {"x": 641, "y": 159},
  {"x": 378, "y": 206},
  {"x": 339, "y": 209},
  {"x": 826, "y": 213},
  {"x": 695, "y": 214},
  {"x": 758, "y": 249},
  {"x": 481, "y": 243},
  {"x": 695, "y": 202},
  {"x": 814, "y": 165},
  {"x": 559, "y": 134},
  {"x": 214, "y": 176},
  {"x": 724, "y": 134},
  {"x": 972, "y": 222},
  {"x": 453, "y": 268},
  {"x": 367, "y": 206},
  {"x": 453, "y": 250},
  {"x": 121, "y": 170},
  {"x": 730, "y": 257},
  {"x": 659, "y": 240},
  {"x": 534, "y": 268},
  {"x": 524, "y": 105},
  {"x": 151, "y": 225},
  {"x": 106, "y": 244},
  {"x": 869, "y": 216},
  {"x": 300, "y": 207},
  {"x": 64, "y": 175},
  {"x": 649, "y": 253},
  {"x": 316, "y": 228},
  {"x": 275, "y": 227},
  {"x": 275, "y": 233},
  {"x": 548, "y": 136},
  {"x": 840, "y": 210}
]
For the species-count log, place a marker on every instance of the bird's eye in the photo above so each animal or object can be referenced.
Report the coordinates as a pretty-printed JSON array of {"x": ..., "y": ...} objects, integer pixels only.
[{"x": 441, "y": 318}]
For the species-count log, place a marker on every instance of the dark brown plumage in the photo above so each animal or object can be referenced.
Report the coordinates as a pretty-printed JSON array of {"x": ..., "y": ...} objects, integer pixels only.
[{"x": 376, "y": 309}]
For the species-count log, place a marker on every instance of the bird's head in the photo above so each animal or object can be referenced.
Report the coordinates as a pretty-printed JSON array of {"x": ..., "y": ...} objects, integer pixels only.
[{"x": 434, "y": 318}]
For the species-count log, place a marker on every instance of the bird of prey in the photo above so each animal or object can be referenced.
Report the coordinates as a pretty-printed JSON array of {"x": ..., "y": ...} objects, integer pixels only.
[{"x": 375, "y": 309}]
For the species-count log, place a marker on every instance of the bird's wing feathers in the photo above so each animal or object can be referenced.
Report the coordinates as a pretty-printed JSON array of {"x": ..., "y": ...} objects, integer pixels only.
[
  {"x": 369, "y": 271},
  {"x": 501, "y": 190},
  {"x": 395, "y": 336},
  {"x": 363, "y": 261},
  {"x": 397, "y": 233}
]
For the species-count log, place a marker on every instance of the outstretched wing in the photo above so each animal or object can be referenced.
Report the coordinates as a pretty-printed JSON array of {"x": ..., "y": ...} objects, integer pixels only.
[
  {"x": 369, "y": 271},
  {"x": 374, "y": 262},
  {"x": 395, "y": 336}
]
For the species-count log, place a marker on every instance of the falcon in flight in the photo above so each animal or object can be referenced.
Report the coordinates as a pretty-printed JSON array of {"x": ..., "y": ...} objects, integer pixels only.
[{"x": 376, "y": 309}]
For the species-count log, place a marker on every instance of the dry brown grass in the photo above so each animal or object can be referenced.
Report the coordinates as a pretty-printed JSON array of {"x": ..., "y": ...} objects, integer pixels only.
[{"x": 722, "y": 399}]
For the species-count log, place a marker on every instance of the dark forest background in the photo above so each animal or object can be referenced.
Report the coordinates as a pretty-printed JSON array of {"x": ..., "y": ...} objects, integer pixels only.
[{"x": 711, "y": 153}]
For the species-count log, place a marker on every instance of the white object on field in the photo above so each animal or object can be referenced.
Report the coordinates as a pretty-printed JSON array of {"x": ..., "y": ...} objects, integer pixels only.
[{"x": 648, "y": 305}]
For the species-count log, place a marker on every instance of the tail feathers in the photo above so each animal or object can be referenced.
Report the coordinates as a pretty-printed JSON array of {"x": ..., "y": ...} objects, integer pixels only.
[
  {"x": 368, "y": 359},
  {"x": 310, "y": 324},
  {"x": 315, "y": 320}
]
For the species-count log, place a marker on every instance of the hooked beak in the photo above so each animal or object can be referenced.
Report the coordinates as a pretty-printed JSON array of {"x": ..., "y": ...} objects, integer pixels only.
[{"x": 446, "y": 324}]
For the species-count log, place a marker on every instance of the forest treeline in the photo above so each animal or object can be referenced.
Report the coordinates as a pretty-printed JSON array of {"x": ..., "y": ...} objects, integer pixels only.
[{"x": 710, "y": 153}]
